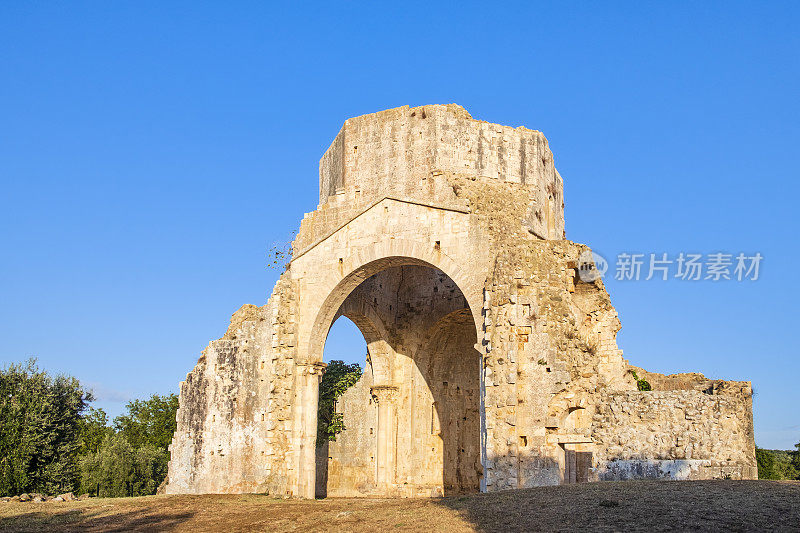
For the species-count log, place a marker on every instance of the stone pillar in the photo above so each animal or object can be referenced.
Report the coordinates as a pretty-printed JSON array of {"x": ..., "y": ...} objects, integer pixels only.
[
  {"x": 386, "y": 398},
  {"x": 309, "y": 376},
  {"x": 482, "y": 408}
]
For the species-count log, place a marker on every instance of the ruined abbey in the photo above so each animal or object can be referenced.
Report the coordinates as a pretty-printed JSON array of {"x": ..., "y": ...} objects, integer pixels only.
[{"x": 492, "y": 361}]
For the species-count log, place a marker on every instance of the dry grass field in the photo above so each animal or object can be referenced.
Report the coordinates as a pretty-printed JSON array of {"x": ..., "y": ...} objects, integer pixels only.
[{"x": 630, "y": 506}]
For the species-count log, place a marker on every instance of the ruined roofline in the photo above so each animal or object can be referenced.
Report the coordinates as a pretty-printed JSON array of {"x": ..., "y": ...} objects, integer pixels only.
[
  {"x": 457, "y": 110},
  {"x": 685, "y": 380},
  {"x": 432, "y": 205},
  {"x": 413, "y": 152}
]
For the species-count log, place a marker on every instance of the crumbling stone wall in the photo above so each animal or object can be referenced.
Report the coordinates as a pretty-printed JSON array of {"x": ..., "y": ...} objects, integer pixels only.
[
  {"x": 441, "y": 237},
  {"x": 234, "y": 416},
  {"x": 675, "y": 434}
]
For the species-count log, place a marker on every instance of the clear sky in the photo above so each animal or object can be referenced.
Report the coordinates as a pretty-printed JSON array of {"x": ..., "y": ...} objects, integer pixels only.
[{"x": 151, "y": 152}]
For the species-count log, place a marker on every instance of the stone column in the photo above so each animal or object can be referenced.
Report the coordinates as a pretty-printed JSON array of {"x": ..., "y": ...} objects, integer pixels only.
[
  {"x": 482, "y": 407},
  {"x": 386, "y": 398},
  {"x": 309, "y": 376}
]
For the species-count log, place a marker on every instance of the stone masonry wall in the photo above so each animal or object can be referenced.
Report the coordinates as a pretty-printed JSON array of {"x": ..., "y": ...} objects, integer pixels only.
[
  {"x": 350, "y": 460},
  {"x": 406, "y": 153},
  {"x": 234, "y": 415},
  {"x": 675, "y": 434}
]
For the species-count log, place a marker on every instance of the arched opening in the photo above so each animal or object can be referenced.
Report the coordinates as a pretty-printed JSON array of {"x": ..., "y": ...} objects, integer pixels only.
[
  {"x": 345, "y": 342},
  {"x": 576, "y": 445},
  {"x": 345, "y": 354},
  {"x": 412, "y": 422}
]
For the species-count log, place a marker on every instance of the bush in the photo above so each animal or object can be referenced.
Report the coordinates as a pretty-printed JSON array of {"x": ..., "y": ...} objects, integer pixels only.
[
  {"x": 796, "y": 459},
  {"x": 776, "y": 464},
  {"x": 641, "y": 384},
  {"x": 133, "y": 457},
  {"x": 119, "y": 469}
]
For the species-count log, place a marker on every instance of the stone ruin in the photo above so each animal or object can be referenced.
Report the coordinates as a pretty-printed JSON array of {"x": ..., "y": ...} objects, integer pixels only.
[{"x": 492, "y": 357}]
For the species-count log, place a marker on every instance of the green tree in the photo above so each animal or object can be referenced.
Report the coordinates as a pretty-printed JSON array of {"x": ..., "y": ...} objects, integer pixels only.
[
  {"x": 777, "y": 464},
  {"x": 93, "y": 430},
  {"x": 796, "y": 461},
  {"x": 150, "y": 469},
  {"x": 767, "y": 465},
  {"x": 40, "y": 429},
  {"x": 108, "y": 472},
  {"x": 149, "y": 422},
  {"x": 338, "y": 377},
  {"x": 118, "y": 469}
]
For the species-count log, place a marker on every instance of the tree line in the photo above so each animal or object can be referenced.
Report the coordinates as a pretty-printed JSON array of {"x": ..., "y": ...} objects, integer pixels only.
[
  {"x": 53, "y": 441},
  {"x": 778, "y": 464}
]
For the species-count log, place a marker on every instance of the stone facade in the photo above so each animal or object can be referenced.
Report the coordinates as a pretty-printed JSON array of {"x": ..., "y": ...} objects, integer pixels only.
[{"x": 492, "y": 362}]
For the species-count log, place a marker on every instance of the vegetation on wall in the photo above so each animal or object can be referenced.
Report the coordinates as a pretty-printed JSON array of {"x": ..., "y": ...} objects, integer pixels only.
[
  {"x": 52, "y": 441},
  {"x": 279, "y": 255},
  {"x": 338, "y": 377},
  {"x": 641, "y": 384}
]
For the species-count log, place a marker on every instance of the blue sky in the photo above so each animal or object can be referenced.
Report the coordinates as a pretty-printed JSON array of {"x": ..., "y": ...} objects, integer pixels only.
[{"x": 151, "y": 152}]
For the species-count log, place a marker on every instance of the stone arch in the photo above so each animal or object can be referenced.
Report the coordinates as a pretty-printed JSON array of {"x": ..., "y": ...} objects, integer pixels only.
[
  {"x": 566, "y": 403},
  {"x": 360, "y": 263},
  {"x": 325, "y": 292},
  {"x": 375, "y": 335},
  {"x": 576, "y": 417}
]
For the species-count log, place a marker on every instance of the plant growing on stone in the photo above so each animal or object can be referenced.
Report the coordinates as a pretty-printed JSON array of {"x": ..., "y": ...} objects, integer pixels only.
[
  {"x": 279, "y": 254},
  {"x": 641, "y": 384}
]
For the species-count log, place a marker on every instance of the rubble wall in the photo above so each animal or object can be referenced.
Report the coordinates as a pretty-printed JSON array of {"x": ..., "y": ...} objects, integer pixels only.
[
  {"x": 678, "y": 434},
  {"x": 234, "y": 417}
]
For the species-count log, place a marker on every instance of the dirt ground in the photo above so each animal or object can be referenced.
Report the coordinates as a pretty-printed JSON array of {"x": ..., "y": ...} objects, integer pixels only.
[{"x": 628, "y": 506}]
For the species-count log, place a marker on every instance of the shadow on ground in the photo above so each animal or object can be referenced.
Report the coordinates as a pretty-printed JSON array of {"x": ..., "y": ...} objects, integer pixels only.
[
  {"x": 624, "y": 506},
  {"x": 637, "y": 506},
  {"x": 93, "y": 519}
]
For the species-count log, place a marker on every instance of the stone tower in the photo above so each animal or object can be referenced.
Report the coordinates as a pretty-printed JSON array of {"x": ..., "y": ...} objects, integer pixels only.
[{"x": 492, "y": 363}]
